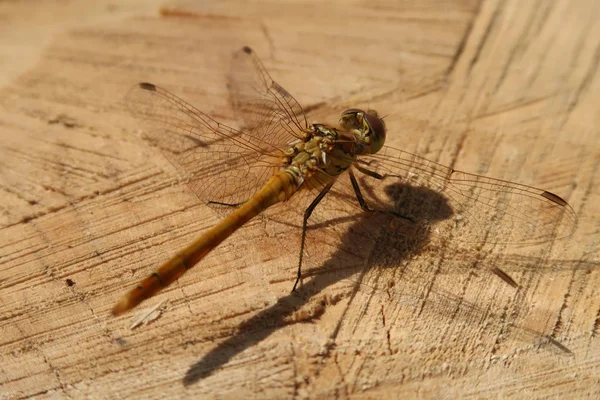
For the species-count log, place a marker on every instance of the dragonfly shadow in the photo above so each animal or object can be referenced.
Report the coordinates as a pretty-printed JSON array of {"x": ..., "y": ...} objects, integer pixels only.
[
  {"x": 376, "y": 244},
  {"x": 405, "y": 228}
]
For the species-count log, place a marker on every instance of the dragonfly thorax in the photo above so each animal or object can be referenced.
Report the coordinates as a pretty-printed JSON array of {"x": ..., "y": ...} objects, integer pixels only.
[
  {"x": 310, "y": 153},
  {"x": 319, "y": 156},
  {"x": 326, "y": 152}
]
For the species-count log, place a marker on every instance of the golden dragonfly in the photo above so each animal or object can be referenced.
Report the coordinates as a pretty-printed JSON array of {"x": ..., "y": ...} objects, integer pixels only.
[{"x": 277, "y": 156}]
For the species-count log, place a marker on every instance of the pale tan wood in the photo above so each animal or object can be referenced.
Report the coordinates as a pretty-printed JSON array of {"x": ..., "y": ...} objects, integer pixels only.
[{"x": 509, "y": 89}]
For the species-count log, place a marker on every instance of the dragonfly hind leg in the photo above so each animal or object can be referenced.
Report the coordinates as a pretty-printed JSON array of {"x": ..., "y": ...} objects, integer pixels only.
[
  {"x": 218, "y": 203},
  {"x": 307, "y": 214}
]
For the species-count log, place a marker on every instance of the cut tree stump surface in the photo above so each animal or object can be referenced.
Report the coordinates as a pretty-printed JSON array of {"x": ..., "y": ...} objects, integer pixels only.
[{"x": 509, "y": 89}]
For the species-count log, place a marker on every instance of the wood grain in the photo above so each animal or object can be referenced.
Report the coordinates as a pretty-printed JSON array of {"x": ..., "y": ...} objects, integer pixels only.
[{"x": 508, "y": 89}]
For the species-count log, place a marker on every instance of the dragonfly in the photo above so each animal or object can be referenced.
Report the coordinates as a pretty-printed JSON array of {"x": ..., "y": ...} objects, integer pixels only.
[{"x": 277, "y": 158}]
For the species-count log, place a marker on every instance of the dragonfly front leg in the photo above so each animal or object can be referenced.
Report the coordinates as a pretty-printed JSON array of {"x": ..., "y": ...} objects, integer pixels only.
[
  {"x": 307, "y": 214},
  {"x": 361, "y": 201},
  {"x": 358, "y": 193}
]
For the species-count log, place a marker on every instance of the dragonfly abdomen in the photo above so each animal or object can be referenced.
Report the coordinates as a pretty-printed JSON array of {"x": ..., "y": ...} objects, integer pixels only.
[{"x": 280, "y": 187}]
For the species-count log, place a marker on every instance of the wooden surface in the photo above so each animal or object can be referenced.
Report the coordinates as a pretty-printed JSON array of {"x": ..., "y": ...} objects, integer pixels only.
[{"x": 509, "y": 89}]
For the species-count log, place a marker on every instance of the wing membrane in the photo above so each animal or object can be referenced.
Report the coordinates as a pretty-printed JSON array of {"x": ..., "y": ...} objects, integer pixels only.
[
  {"x": 222, "y": 164},
  {"x": 262, "y": 105},
  {"x": 483, "y": 209}
]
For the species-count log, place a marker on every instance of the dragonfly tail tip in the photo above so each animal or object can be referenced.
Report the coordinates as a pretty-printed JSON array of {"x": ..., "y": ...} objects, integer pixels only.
[{"x": 121, "y": 307}]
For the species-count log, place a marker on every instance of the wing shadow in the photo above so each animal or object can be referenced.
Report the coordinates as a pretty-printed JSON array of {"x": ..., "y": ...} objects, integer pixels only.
[
  {"x": 410, "y": 237},
  {"x": 402, "y": 237}
]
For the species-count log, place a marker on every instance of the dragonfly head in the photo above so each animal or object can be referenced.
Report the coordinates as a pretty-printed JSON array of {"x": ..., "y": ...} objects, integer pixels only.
[{"x": 368, "y": 127}]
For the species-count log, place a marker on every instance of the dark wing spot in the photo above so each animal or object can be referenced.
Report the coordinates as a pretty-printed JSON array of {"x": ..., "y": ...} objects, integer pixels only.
[
  {"x": 247, "y": 49},
  {"x": 281, "y": 90},
  {"x": 554, "y": 198},
  {"x": 147, "y": 86},
  {"x": 559, "y": 345},
  {"x": 196, "y": 140}
]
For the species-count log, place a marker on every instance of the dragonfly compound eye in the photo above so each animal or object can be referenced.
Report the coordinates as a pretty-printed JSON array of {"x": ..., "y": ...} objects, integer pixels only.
[
  {"x": 368, "y": 124},
  {"x": 376, "y": 131},
  {"x": 352, "y": 118}
]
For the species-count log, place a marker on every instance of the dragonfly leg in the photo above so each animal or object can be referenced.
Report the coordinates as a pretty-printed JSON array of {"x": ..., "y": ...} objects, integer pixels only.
[
  {"x": 361, "y": 201},
  {"x": 307, "y": 214},
  {"x": 365, "y": 171},
  {"x": 218, "y": 203}
]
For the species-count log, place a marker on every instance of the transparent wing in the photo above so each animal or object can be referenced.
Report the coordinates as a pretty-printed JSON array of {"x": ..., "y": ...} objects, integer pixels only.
[
  {"x": 261, "y": 104},
  {"x": 482, "y": 209},
  {"x": 220, "y": 164}
]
